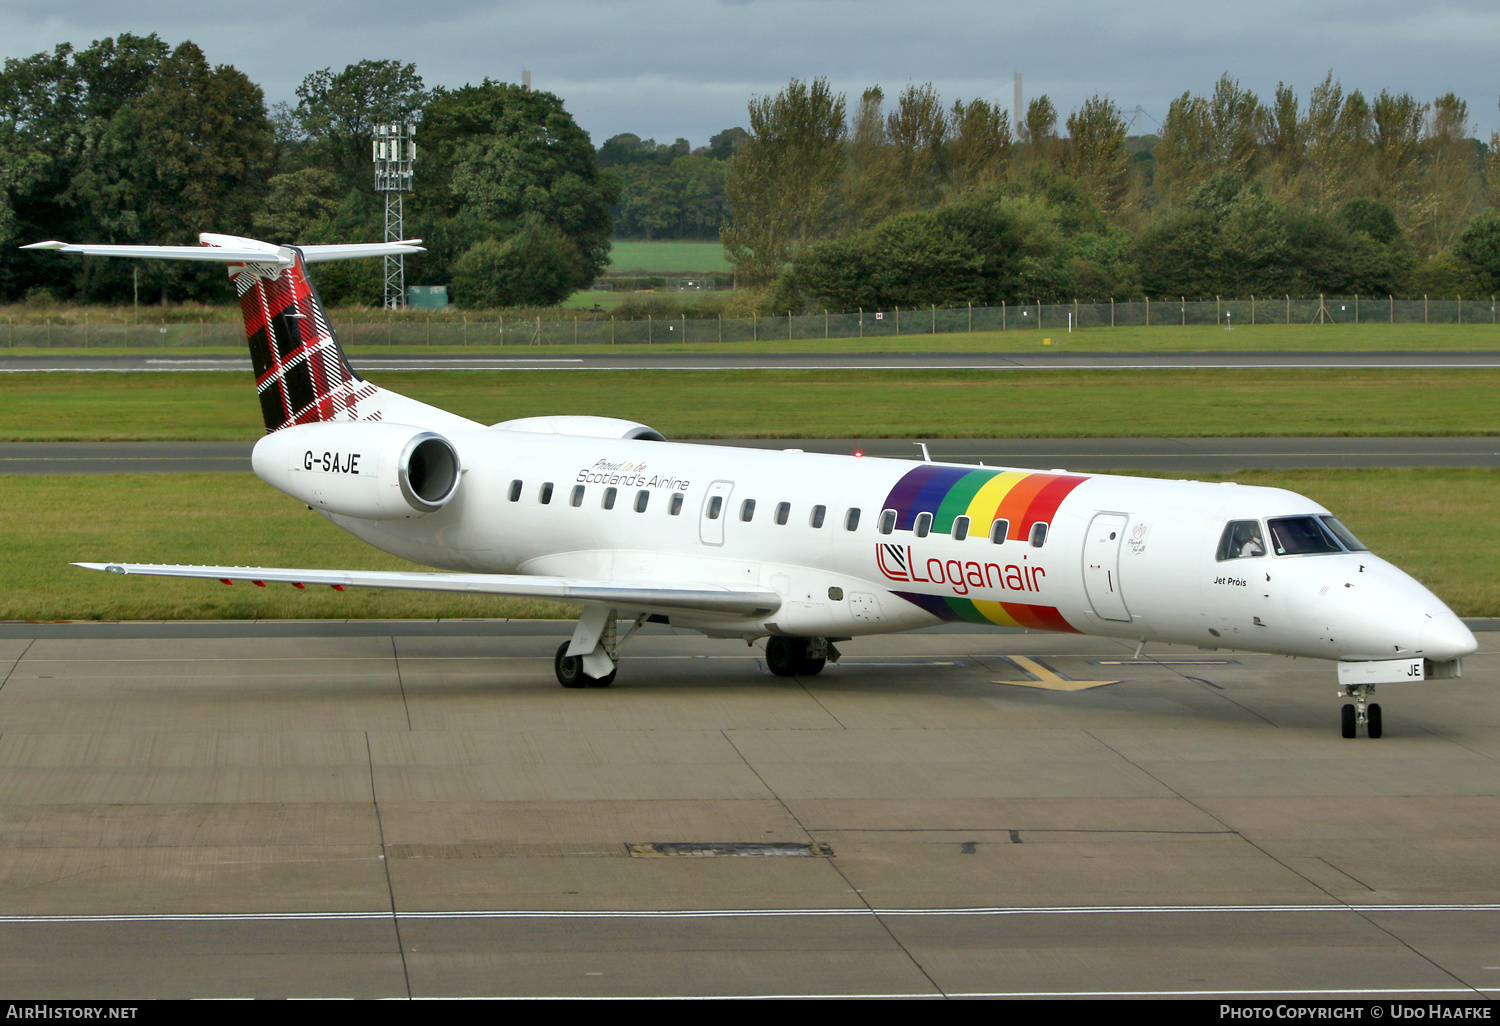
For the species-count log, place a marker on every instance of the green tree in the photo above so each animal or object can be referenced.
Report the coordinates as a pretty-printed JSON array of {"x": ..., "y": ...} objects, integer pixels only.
[
  {"x": 1229, "y": 239},
  {"x": 980, "y": 146},
  {"x": 1397, "y": 146},
  {"x": 206, "y": 144},
  {"x": 63, "y": 170},
  {"x": 338, "y": 112},
  {"x": 1285, "y": 134},
  {"x": 702, "y": 199},
  {"x": 535, "y": 267},
  {"x": 1371, "y": 217},
  {"x": 1204, "y": 136},
  {"x": 1452, "y": 190},
  {"x": 917, "y": 133},
  {"x": 650, "y": 202},
  {"x": 865, "y": 198},
  {"x": 1039, "y": 143},
  {"x": 781, "y": 183},
  {"x": 300, "y": 208},
  {"x": 982, "y": 249},
  {"x": 1479, "y": 248},
  {"x": 1338, "y": 132},
  {"x": 502, "y": 158},
  {"x": 722, "y": 145},
  {"x": 1096, "y": 155}
]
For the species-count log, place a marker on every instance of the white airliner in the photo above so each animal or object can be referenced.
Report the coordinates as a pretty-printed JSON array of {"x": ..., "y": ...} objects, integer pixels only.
[{"x": 801, "y": 549}]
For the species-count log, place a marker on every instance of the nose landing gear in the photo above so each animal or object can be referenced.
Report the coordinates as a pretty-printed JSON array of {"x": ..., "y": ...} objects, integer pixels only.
[{"x": 1359, "y": 712}]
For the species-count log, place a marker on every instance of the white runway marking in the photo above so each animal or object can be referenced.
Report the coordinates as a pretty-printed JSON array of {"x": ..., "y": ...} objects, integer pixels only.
[
  {"x": 1469, "y": 991},
  {"x": 1216, "y": 993},
  {"x": 734, "y": 913}
]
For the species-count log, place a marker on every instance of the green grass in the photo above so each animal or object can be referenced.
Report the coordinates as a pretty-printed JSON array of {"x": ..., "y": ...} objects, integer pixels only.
[
  {"x": 1434, "y": 523},
  {"x": 179, "y": 518},
  {"x": 627, "y": 257},
  {"x": 790, "y": 404}
]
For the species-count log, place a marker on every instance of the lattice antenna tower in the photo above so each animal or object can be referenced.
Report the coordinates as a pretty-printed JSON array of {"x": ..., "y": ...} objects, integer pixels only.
[{"x": 395, "y": 153}]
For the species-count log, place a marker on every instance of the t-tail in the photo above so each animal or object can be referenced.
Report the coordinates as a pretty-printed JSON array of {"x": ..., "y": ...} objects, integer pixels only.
[{"x": 301, "y": 373}]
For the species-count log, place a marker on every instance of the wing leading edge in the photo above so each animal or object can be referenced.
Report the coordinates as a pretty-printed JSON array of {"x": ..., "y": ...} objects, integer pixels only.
[{"x": 648, "y": 596}]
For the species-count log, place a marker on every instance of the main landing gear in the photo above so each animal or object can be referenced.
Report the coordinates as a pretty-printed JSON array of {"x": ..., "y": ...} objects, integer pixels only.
[
  {"x": 570, "y": 672},
  {"x": 798, "y": 657},
  {"x": 1361, "y": 713},
  {"x": 594, "y": 649}
]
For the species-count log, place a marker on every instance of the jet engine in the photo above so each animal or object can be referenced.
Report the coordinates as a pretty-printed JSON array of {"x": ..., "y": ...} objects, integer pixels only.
[{"x": 368, "y": 470}]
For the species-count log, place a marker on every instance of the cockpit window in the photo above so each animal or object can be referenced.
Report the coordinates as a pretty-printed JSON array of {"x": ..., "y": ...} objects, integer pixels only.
[
  {"x": 1241, "y": 540},
  {"x": 1301, "y": 536},
  {"x": 1344, "y": 535}
]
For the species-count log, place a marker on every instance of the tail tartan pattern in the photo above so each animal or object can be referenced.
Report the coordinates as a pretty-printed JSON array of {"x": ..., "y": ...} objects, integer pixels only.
[{"x": 300, "y": 373}]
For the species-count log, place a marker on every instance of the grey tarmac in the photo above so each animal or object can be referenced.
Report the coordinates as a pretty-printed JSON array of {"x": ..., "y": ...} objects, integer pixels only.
[
  {"x": 375, "y": 362},
  {"x": 410, "y": 809},
  {"x": 1170, "y": 455}
]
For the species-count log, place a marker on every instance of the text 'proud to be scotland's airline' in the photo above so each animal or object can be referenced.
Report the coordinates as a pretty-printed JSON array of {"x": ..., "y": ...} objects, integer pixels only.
[{"x": 801, "y": 549}]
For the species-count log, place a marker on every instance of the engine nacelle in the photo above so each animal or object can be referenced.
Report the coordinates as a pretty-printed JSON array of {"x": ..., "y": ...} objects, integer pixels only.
[
  {"x": 587, "y": 427},
  {"x": 368, "y": 470}
]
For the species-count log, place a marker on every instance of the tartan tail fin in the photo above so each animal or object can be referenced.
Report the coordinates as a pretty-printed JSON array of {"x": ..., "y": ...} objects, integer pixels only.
[{"x": 301, "y": 373}]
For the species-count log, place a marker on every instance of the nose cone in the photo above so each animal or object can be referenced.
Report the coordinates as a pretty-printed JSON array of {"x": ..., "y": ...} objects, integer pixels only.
[{"x": 1444, "y": 636}]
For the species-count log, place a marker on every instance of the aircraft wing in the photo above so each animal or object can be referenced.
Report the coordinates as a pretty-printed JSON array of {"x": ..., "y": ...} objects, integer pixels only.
[{"x": 648, "y": 596}]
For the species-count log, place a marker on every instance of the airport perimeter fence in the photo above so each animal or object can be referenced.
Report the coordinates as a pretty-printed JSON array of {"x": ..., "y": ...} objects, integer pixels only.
[{"x": 594, "y": 329}]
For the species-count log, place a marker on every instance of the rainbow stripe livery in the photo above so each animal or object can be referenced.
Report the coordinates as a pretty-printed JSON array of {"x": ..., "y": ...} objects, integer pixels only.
[
  {"x": 1003, "y": 614},
  {"x": 984, "y": 496},
  {"x": 1022, "y": 498}
]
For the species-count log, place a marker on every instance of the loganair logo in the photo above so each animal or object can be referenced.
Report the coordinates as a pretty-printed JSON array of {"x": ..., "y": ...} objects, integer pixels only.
[{"x": 899, "y": 563}]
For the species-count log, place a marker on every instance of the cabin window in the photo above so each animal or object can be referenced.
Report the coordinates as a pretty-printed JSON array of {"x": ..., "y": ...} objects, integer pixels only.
[
  {"x": 515, "y": 491},
  {"x": 1241, "y": 540},
  {"x": 1038, "y": 535},
  {"x": 641, "y": 498},
  {"x": 923, "y": 526},
  {"x": 960, "y": 528},
  {"x": 851, "y": 519},
  {"x": 675, "y": 508},
  {"x": 715, "y": 507},
  {"x": 1301, "y": 536},
  {"x": 1344, "y": 535},
  {"x": 998, "y": 530},
  {"x": 577, "y": 499},
  {"x": 747, "y": 510},
  {"x": 887, "y": 521},
  {"x": 609, "y": 498},
  {"x": 545, "y": 496},
  {"x": 818, "y": 513},
  {"x": 783, "y": 511}
]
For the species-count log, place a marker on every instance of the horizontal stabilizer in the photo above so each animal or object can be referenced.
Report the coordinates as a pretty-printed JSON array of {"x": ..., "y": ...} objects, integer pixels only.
[
  {"x": 229, "y": 249},
  {"x": 217, "y": 254},
  {"x": 359, "y": 250},
  {"x": 646, "y": 596}
]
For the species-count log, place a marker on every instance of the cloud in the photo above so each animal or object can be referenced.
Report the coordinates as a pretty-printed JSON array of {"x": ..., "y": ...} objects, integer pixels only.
[{"x": 666, "y": 68}]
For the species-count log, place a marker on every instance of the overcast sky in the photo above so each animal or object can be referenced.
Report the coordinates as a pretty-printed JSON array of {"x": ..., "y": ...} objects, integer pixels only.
[{"x": 668, "y": 68}]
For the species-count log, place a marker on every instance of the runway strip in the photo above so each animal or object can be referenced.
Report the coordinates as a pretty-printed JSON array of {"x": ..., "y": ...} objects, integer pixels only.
[
  {"x": 669, "y": 360},
  {"x": 1179, "y": 455},
  {"x": 413, "y": 810}
]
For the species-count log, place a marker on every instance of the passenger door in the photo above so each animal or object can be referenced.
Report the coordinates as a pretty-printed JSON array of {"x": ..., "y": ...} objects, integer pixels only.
[
  {"x": 715, "y": 511},
  {"x": 1101, "y": 566}
]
